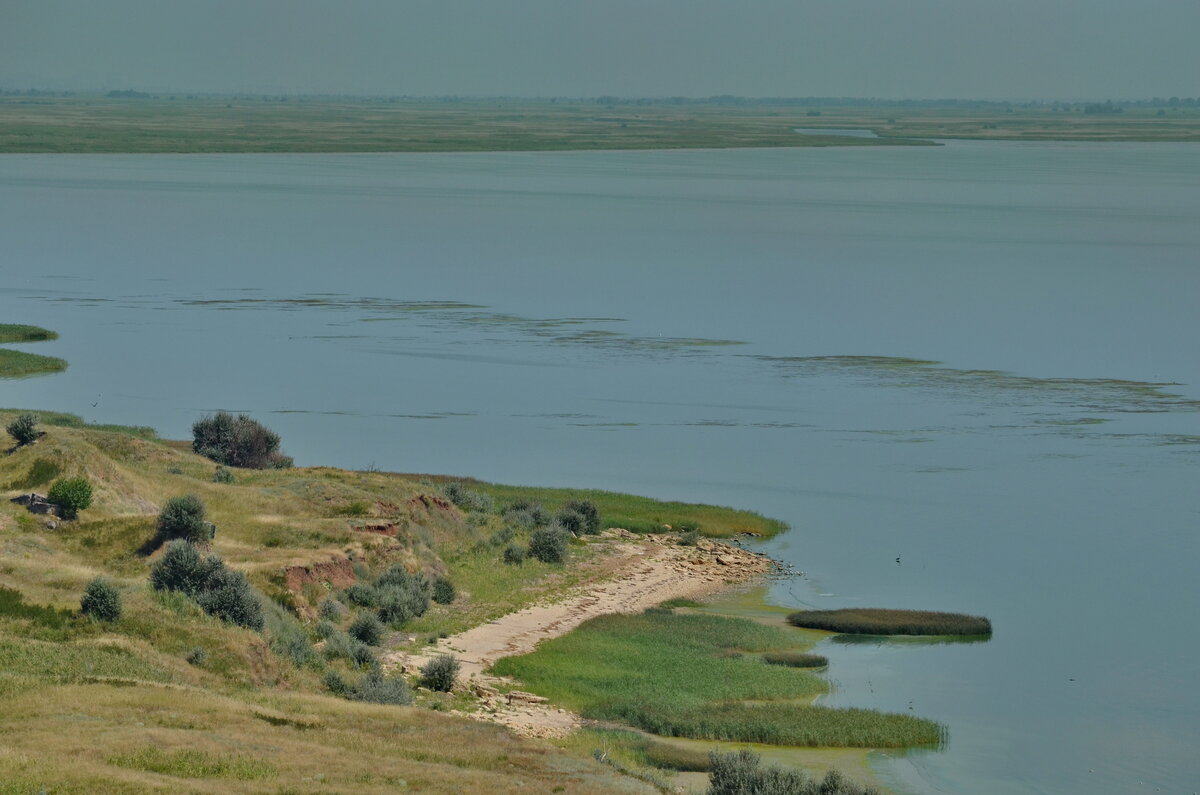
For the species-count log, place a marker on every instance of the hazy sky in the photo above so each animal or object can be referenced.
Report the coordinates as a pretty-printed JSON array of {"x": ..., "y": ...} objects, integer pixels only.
[{"x": 866, "y": 48}]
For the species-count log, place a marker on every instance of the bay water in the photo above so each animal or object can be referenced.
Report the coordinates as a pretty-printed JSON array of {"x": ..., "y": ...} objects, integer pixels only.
[{"x": 967, "y": 377}]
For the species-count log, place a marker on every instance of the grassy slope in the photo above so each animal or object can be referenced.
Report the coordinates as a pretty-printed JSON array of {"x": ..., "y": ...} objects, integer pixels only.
[
  {"x": 17, "y": 364},
  {"x": 245, "y": 708}
]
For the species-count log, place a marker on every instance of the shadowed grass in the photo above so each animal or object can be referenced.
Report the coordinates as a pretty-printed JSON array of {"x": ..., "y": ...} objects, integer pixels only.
[
  {"x": 877, "y": 621},
  {"x": 684, "y": 676},
  {"x": 795, "y": 659},
  {"x": 186, "y": 763}
]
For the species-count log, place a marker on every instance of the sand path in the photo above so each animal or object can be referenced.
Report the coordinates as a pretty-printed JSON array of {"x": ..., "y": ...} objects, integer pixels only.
[{"x": 650, "y": 570}]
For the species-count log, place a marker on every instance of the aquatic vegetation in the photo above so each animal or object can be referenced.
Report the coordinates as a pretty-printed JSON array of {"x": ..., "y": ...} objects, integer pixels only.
[
  {"x": 17, "y": 364},
  {"x": 878, "y": 621},
  {"x": 18, "y": 332},
  {"x": 795, "y": 659},
  {"x": 682, "y": 675}
]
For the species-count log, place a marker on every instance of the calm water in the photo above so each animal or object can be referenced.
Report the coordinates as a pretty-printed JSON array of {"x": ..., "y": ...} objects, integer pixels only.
[{"x": 571, "y": 319}]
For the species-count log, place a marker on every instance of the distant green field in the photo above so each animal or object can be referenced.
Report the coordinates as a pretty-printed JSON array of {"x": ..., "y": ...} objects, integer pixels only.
[{"x": 103, "y": 124}]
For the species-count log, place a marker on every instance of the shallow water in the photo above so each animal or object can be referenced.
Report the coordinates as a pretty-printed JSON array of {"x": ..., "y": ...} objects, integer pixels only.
[{"x": 949, "y": 355}]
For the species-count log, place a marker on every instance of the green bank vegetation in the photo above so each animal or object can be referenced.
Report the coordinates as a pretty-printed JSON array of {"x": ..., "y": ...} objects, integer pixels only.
[
  {"x": 18, "y": 364},
  {"x": 222, "y": 692},
  {"x": 877, "y": 621},
  {"x": 697, "y": 676}
]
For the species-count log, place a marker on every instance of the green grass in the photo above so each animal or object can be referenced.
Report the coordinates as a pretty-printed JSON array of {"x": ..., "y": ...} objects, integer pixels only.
[
  {"x": 642, "y": 514},
  {"x": 686, "y": 676},
  {"x": 18, "y": 332},
  {"x": 186, "y": 763},
  {"x": 59, "y": 419},
  {"x": 18, "y": 364},
  {"x": 877, "y": 621}
]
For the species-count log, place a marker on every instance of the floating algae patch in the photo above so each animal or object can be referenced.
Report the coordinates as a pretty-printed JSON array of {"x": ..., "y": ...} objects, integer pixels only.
[{"x": 1110, "y": 395}]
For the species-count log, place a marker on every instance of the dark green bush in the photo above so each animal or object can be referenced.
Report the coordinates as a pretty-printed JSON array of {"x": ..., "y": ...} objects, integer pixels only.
[
  {"x": 795, "y": 659},
  {"x": 183, "y": 568},
  {"x": 325, "y": 630},
  {"x": 335, "y": 684},
  {"x": 398, "y": 605},
  {"x": 331, "y": 609},
  {"x": 440, "y": 673},
  {"x": 527, "y": 513},
  {"x": 24, "y": 429},
  {"x": 228, "y": 596},
  {"x": 222, "y": 475},
  {"x": 571, "y": 522},
  {"x": 184, "y": 517},
  {"x": 379, "y": 689},
  {"x": 238, "y": 442},
  {"x": 548, "y": 544},
  {"x": 361, "y": 654},
  {"x": 367, "y": 629},
  {"x": 443, "y": 591},
  {"x": 101, "y": 600},
  {"x": 71, "y": 495},
  {"x": 467, "y": 499},
  {"x": 197, "y": 656},
  {"x": 878, "y": 621},
  {"x": 362, "y": 595},
  {"x": 514, "y": 554},
  {"x": 742, "y": 773},
  {"x": 588, "y": 511}
]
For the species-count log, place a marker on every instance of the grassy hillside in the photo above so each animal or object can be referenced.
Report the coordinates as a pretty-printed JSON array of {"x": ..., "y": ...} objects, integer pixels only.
[{"x": 168, "y": 698}]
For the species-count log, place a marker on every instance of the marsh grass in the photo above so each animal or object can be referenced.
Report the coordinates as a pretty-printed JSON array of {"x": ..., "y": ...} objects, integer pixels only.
[
  {"x": 795, "y": 659},
  {"x": 17, "y": 364},
  {"x": 19, "y": 332},
  {"x": 186, "y": 763},
  {"x": 878, "y": 621}
]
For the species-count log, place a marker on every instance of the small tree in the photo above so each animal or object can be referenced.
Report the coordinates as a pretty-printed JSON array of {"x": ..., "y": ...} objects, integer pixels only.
[
  {"x": 71, "y": 495},
  {"x": 184, "y": 517},
  {"x": 238, "y": 441},
  {"x": 548, "y": 544},
  {"x": 24, "y": 429},
  {"x": 101, "y": 600},
  {"x": 440, "y": 673}
]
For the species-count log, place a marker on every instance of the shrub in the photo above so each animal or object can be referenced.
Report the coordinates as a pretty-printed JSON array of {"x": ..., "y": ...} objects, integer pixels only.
[
  {"x": 502, "y": 536},
  {"x": 24, "y": 429},
  {"x": 184, "y": 517},
  {"x": 238, "y": 442},
  {"x": 71, "y": 495},
  {"x": 527, "y": 514},
  {"x": 741, "y": 773},
  {"x": 397, "y": 605},
  {"x": 295, "y": 646},
  {"x": 689, "y": 538},
  {"x": 467, "y": 499},
  {"x": 228, "y": 596},
  {"x": 325, "y": 630},
  {"x": 514, "y": 554},
  {"x": 443, "y": 591},
  {"x": 400, "y": 577},
  {"x": 548, "y": 544},
  {"x": 440, "y": 673},
  {"x": 362, "y": 595},
  {"x": 222, "y": 475},
  {"x": 367, "y": 629},
  {"x": 197, "y": 657},
  {"x": 795, "y": 659},
  {"x": 876, "y": 621},
  {"x": 331, "y": 609},
  {"x": 101, "y": 600},
  {"x": 379, "y": 689},
  {"x": 588, "y": 511},
  {"x": 183, "y": 568},
  {"x": 571, "y": 522},
  {"x": 335, "y": 684},
  {"x": 361, "y": 654}
]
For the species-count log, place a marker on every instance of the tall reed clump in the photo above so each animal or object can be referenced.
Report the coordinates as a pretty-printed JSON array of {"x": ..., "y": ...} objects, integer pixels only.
[{"x": 878, "y": 621}]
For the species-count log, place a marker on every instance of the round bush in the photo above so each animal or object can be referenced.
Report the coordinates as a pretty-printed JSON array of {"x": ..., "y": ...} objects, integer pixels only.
[
  {"x": 71, "y": 495},
  {"x": 443, "y": 591},
  {"x": 362, "y": 595},
  {"x": 101, "y": 600},
  {"x": 222, "y": 475},
  {"x": 229, "y": 596},
  {"x": 398, "y": 604},
  {"x": 571, "y": 522},
  {"x": 588, "y": 511},
  {"x": 440, "y": 673},
  {"x": 361, "y": 654},
  {"x": 514, "y": 554},
  {"x": 183, "y": 568},
  {"x": 325, "y": 630},
  {"x": 331, "y": 609},
  {"x": 24, "y": 429},
  {"x": 184, "y": 517},
  {"x": 548, "y": 544},
  {"x": 335, "y": 684},
  {"x": 367, "y": 628},
  {"x": 238, "y": 442}
]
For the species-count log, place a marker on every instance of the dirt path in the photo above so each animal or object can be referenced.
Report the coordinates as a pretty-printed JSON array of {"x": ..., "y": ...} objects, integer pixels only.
[{"x": 652, "y": 570}]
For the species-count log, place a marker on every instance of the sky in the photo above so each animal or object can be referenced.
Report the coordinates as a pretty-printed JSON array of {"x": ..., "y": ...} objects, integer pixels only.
[{"x": 988, "y": 49}]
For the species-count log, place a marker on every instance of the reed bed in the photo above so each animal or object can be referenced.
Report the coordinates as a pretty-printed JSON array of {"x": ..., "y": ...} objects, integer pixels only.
[
  {"x": 795, "y": 659},
  {"x": 878, "y": 621}
]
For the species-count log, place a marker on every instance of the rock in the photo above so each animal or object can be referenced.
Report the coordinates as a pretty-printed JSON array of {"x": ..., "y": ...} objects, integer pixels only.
[
  {"x": 521, "y": 697},
  {"x": 51, "y": 524},
  {"x": 724, "y": 561},
  {"x": 36, "y": 503}
]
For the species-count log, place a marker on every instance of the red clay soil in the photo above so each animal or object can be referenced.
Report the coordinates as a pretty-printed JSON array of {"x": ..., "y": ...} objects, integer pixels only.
[{"x": 337, "y": 572}]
